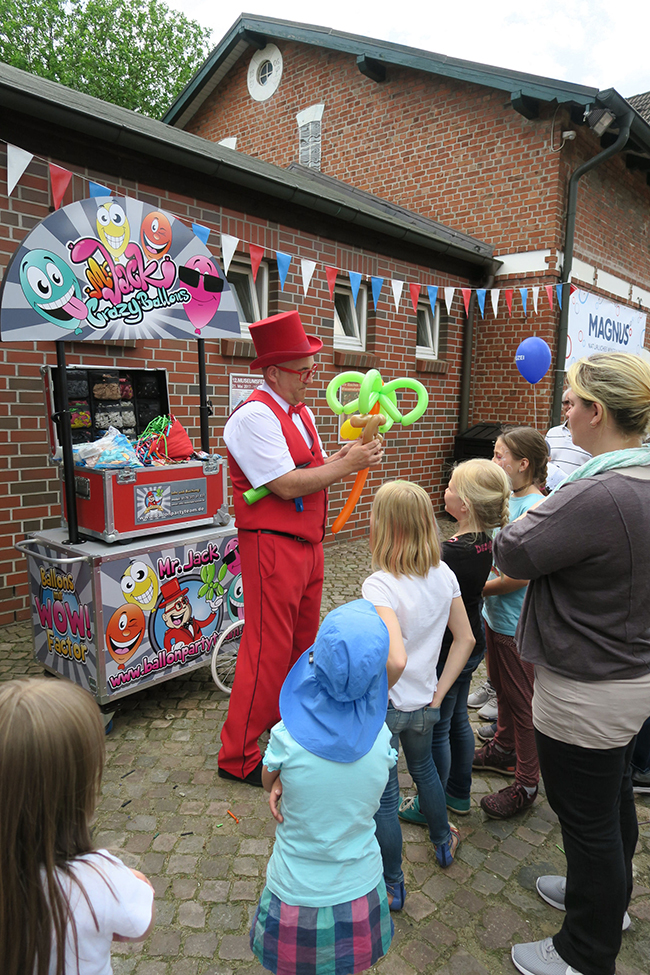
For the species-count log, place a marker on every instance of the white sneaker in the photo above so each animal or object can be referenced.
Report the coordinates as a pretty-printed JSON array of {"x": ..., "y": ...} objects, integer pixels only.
[
  {"x": 540, "y": 958},
  {"x": 552, "y": 889},
  {"x": 489, "y": 711},
  {"x": 482, "y": 695}
]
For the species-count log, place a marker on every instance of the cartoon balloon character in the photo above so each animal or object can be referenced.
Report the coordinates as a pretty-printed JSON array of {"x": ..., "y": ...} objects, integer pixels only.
[
  {"x": 113, "y": 228},
  {"x": 201, "y": 278},
  {"x": 124, "y": 633},
  {"x": 155, "y": 235},
  {"x": 236, "y": 599},
  {"x": 52, "y": 289},
  {"x": 139, "y": 585}
]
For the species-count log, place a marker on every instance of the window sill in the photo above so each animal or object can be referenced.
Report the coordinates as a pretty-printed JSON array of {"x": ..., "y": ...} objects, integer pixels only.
[
  {"x": 238, "y": 348},
  {"x": 355, "y": 360},
  {"x": 431, "y": 366}
]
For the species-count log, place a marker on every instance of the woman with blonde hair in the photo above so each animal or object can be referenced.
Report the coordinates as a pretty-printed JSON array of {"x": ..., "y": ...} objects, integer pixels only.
[
  {"x": 477, "y": 497},
  {"x": 585, "y": 626},
  {"x": 62, "y": 902},
  {"x": 417, "y": 596}
]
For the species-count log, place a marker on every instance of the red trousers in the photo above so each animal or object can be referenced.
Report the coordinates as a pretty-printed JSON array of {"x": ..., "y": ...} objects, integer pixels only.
[
  {"x": 283, "y": 585},
  {"x": 513, "y": 679}
]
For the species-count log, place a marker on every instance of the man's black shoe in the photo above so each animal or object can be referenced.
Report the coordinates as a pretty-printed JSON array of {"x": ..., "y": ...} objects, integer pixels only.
[{"x": 253, "y": 778}]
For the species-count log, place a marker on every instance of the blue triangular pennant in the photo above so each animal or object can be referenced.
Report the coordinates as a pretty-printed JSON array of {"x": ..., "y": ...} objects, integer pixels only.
[
  {"x": 558, "y": 289},
  {"x": 284, "y": 260},
  {"x": 201, "y": 232},
  {"x": 480, "y": 294},
  {"x": 524, "y": 297},
  {"x": 376, "y": 284},
  {"x": 96, "y": 189},
  {"x": 433, "y": 295},
  {"x": 355, "y": 282}
]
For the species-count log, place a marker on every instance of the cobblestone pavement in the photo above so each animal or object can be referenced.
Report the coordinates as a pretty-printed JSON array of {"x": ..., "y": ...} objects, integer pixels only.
[{"x": 165, "y": 811}]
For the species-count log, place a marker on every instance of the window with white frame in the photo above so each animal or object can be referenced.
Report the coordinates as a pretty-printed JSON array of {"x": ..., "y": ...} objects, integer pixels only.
[
  {"x": 350, "y": 317},
  {"x": 309, "y": 136},
  {"x": 428, "y": 330},
  {"x": 251, "y": 297}
]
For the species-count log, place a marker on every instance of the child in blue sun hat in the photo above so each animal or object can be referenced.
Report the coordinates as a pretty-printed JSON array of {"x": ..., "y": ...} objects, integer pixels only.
[{"x": 324, "y": 909}]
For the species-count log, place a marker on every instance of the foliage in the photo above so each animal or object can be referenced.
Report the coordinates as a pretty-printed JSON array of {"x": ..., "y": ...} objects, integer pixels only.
[{"x": 135, "y": 53}]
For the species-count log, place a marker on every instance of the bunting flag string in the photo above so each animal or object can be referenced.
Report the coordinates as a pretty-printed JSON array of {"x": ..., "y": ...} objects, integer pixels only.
[
  {"x": 19, "y": 159},
  {"x": 17, "y": 162},
  {"x": 59, "y": 181}
]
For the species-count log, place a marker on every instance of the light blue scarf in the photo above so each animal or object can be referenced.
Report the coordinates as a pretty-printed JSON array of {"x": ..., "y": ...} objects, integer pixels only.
[{"x": 629, "y": 457}]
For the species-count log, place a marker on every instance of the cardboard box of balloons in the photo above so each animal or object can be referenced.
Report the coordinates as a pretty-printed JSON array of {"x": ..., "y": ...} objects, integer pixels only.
[
  {"x": 117, "y": 618},
  {"x": 119, "y": 503}
]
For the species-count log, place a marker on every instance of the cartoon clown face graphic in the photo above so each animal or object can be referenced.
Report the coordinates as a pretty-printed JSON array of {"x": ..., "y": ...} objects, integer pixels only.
[
  {"x": 124, "y": 633},
  {"x": 113, "y": 228},
  {"x": 155, "y": 235},
  {"x": 176, "y": 609}
]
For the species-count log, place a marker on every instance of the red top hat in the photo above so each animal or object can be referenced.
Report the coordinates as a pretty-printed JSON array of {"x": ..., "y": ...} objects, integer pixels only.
[
  {"x": 281, "y": 338},
  {"x": 171, "y": 591}
]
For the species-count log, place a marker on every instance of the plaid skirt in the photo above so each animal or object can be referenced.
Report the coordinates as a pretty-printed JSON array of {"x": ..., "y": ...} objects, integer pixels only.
[{"x": 336, "y": 940}]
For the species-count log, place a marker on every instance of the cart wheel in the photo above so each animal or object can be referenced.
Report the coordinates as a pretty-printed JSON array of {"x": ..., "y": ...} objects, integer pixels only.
[{"x": 224, "y": 656}]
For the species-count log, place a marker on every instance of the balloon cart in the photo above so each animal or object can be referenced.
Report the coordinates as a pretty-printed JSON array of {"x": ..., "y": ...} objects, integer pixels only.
[{"x": 143, "y": 577}]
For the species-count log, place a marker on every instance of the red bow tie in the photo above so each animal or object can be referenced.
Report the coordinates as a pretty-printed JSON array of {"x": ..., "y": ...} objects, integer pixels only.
[{"x": 296, "y": 409}]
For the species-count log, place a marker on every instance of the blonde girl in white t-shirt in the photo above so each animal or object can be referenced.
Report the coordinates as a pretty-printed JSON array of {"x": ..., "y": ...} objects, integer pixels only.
[
  {"x": 417, "y": 596},
  {"x": 62, "y": 902}
]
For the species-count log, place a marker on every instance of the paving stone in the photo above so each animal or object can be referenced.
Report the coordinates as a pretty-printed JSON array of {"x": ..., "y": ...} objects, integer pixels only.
[
  {"x": 439, "y": 887},
  {"x": 486, "y": 883},
  {"x": 437, "y": 933},
  {"x": 244, "y": 890},
  {"x": 235, "y": 946},
  {"x": 516, "y": 848},
  {"x": 527, "y": 876},
  {"x": 394, "y": 964},
  {"x": 527, "y": 903},
  {"x": 536, "y": 839},
  {"x": 245, "y": 866},
  {"x": 181, "y": 864},
  {"x": 500, "y": 864},
  {"x": 164, "y": 943},
  {"x": 539, "y": 825},
  {"x": 468, "y": 900},
  {"x": 191, "y": 915},
  {"x": 462, "y": 963},
  {"x": 483, "y": 840},
  {"x": 500, "y": 925},
  {"x": 417, "y": 852},
  {"x": 226, "y": 917},
  {"x": 203, "y": 945},
  {"x": 418, "y": 906},
  {"x": 184, "y": 888},
  {"x": 641, "y": 909},
  {"x": 419, "y": 955},
  {"x": 214, "y": 890},
  {"x": 470, "y": 855}
]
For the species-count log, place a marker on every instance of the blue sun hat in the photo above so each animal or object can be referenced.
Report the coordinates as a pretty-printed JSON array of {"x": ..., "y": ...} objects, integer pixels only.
[{"x": 334, "y": 699}]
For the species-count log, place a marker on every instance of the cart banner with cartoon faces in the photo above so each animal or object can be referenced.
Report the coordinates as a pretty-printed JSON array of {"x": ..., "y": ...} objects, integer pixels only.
[
  {"x": 598, "y": 325},
  {"x": 63, "y": 617},
  {"x": 163, "y": 610},
  {"x": 114, "y": 268}
]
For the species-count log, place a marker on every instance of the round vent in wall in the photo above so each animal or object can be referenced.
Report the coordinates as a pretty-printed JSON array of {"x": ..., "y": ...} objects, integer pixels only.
[{"x": 264, "y": 73}]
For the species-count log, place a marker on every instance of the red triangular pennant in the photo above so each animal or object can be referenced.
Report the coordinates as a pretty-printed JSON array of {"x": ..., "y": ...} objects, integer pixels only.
[
  {"x": 549, "y": 294},
  {"x": 59, "y": 179},
  {"x": 415, "y": 296},
  {"x": 331, "y": 273},
  {"x": 467, "y": 294},
  {"x": 573, "y": 289},
  {"x": 509, "y": 294},
  {"x": 256, "y": 253}
]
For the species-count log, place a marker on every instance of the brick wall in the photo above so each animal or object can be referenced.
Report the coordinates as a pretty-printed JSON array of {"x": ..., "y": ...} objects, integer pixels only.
[{"x": 29, "y": 491}]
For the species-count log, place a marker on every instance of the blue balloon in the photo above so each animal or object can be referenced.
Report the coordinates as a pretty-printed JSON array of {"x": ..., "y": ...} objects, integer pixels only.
[{"x": 532, "y": 359}]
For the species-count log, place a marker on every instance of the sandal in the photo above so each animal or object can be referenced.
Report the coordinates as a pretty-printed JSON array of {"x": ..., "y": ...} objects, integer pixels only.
[
  {"x": 398, "y": 893},
  {"x": 445, "y": 852}
]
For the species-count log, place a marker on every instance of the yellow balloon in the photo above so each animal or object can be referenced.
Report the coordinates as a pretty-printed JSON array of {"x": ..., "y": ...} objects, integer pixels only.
[{"x": 348, "y": 432}]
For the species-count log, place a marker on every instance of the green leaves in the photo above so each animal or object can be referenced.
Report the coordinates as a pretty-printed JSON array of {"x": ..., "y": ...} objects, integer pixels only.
[{"x": 139, "y": 55}]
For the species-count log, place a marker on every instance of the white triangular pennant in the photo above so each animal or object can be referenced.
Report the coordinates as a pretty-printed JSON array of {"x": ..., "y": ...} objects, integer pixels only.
[
  {"x": 397, "y": 286},
  {"x": 494, "y": 298},
  {"x": 228, "y": 248},
  {"x": 449, "y": 297},
  {"x": 17, "y": 162},
  {"x": 308, "y": 268},
  {"x": 535, "y": 291}
]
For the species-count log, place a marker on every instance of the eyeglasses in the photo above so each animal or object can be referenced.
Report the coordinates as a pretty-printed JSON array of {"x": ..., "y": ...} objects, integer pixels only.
[
  {"x": 305, "y": 374},
  {"x": 189, "y": 275}
]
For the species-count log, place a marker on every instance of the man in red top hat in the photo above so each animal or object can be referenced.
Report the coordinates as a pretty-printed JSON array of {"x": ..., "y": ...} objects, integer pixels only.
[
  {"x": 272, "y": 440},
  {"x": 177, "y": 614}
]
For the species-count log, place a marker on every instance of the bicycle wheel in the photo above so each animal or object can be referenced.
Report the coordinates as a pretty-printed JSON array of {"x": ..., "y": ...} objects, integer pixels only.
[{"x": 224, "y": 656}]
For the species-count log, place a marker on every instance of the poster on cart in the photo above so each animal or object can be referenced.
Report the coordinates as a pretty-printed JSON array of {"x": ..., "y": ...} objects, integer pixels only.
[
  {"x": 114, "y": 625},
  {"x": 114, "y": 268},
  {"x": 599, "y": 325}
]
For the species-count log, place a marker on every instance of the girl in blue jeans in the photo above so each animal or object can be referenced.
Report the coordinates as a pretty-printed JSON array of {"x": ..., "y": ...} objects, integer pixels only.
[
  {"x": 417, "y": 596},
  {"x": 477, "y": 497}
]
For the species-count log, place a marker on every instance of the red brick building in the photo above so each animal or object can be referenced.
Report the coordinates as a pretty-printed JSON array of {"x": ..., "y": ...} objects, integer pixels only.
[
  {"x": 228, "y": 193},
  {"x": 488, "y": 151}
]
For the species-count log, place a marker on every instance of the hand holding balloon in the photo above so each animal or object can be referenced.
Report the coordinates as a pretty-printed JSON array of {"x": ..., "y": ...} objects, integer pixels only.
[{"x": 370, "y": 425}]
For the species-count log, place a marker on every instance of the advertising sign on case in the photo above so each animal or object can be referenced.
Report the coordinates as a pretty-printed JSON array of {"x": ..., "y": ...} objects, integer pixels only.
[{"x": 598, "y": 325}]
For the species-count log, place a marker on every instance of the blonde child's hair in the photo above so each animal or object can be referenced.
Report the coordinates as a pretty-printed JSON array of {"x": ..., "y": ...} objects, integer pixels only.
[
  {"x": 620, "y": 383},
  {"x": 484, "y": 488},
  {"x": 403, "y": 532},
  {"x": 51, "y": 762}
]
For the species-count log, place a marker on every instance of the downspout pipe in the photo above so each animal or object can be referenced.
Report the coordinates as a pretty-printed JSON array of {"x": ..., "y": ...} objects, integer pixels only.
[
  {"x": 467, "y": 361},
  {"x": 625, "y": 123}
]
